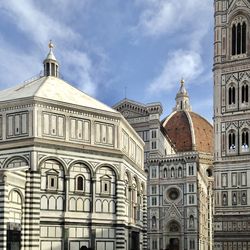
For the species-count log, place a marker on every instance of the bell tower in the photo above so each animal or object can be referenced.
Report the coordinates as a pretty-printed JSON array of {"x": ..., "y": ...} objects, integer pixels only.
[{"x": 232, "y": 124}]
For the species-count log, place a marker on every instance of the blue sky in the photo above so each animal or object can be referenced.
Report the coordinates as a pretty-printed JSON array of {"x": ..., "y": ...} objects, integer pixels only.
[{"x": 104, "y": 46}]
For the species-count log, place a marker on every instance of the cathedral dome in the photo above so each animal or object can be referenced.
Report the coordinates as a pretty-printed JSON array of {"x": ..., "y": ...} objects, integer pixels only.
[{"x": 189, "y": 131}]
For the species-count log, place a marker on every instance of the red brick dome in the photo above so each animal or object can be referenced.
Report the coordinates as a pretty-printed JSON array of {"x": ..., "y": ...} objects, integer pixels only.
[{"x": 189, "y": 131}]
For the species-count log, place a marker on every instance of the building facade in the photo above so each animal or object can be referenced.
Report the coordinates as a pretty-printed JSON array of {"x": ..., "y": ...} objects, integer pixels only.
[
  {"x": 178, "y": 161},
  {"x": 71, "y": 170},
  {"x": 231, "y": 124}
]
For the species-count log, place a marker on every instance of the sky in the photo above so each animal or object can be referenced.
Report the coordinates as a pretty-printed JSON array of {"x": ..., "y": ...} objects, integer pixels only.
[{"x": 112, "y": 49}]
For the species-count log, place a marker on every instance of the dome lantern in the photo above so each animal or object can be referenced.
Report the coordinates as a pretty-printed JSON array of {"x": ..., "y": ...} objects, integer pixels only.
[
  {"x": 182, "y": 98},
  {"x": 51, "y": 66}
]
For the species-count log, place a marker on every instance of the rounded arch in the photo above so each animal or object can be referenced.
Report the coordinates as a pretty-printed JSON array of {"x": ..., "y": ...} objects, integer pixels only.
[
  {"x": 18, "y": 192},
  {"x": 238, "y": 13},
  {"x": 85, "y": 163},
  {"x": 56, "y": 159},
  {"x": 180, "y": 171},
  {"x": 16, "y": 158},
  {"x": 80, "y": 182},
  {"x": 231, "y": 137},
  {"x": 173, "y": 226},
  {"x": 153, "y": 221},
  {"x": 127, "y": 175},
  {"x": 117, "y": 175},
  {"x": 244, "y": 91},
  {"x": 135, "y": 179},
  {"x": 143, "y": 189},
  {"x": 231, "y": 93}
]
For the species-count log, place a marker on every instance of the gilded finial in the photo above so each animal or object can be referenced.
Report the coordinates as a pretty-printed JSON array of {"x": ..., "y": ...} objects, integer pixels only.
[
  {"x": 51, "y": 45},
  {"x": 182, "y": 81}
]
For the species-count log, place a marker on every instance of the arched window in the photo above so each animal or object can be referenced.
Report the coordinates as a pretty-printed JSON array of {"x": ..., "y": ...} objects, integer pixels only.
[
  {"x": 224, "y": 199},
  {"x": 172, "y": 172},
  {"x": 191, "y": 221},
  {"x": 179, "y": 172},
  {"x": 239, "y": 31},
  {"x": 231, "y": 95},
  {"x": 233, "y": 40},
  {"x": 238, "y": 34},
  {"x": 165, "y": 174},
  {"x": 244, "y": 93},
  {"x": 231, "y": 140},
  {"x": 153, "y": 222},
  {"x": 79, "y": 183},
  {"x": 244, "y": 33},
  {"x": 244, "y": 140}
]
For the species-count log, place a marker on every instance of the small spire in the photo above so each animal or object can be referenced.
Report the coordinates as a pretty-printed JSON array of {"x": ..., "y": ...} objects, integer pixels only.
[
  {"x": 51, "y": 67},
  {"x": 182, "y": 98}
]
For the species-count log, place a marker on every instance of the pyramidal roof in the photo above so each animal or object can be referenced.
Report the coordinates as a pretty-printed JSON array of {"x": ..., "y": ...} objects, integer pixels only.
[
  {"x": 55, "y": 89},
  {"x": 50, "y": 87}
]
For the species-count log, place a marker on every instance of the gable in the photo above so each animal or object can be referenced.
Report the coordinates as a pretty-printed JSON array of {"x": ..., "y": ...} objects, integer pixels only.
[
  {"x": 130, "y": 109},
  {"x": 238, "y": 4}
]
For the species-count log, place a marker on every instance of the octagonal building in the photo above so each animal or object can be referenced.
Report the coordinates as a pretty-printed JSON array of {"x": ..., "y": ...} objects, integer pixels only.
[{"x": 71, "y": 170}]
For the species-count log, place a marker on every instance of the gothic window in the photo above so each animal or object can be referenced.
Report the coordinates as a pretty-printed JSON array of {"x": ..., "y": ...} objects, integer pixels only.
[
  {"x": 154, "y": 201},
  {"x": 79, "y": 183},
  {"x": 231, "y": 95},
  {"x": 165, "y": 173},
  {"x": 234, "y": 198},
  {"x": 191, "y": 221},
  {"x": 243, "y": 198},
  {"x": 231, "y": 140},
  {"x": 191, "y": 188},
  {"x": 153, "y": 222},
  {"x": 153, "y": 133},
  {"x": 239, "y": 31},
  {"x": 244, "y": 93},
  {"x": 172, "y": 172},
  {"x": 153, "y": 172},
  {"x": 244, "y": 140},
  {"x": 179, "y": 172},
  {"x": 190, "y": 170},
  {"x": 154, "y": 189},
  {"x": 191, "y": 199},
  {"x": 153, "y": 145},
  {"x": 224, "y": 199}
]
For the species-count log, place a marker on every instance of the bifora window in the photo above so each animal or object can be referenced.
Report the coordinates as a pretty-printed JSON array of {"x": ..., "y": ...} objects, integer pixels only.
[{"x": 239, "y": 31}]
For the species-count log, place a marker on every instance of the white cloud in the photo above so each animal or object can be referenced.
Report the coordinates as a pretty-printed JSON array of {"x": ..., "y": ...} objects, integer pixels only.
[
  {"x": 40, "y": 26},
  {"x": 80, "y": 71},
  {"x": 186, "y": 23},
  {"x": 186, "y": 64},
  {"x": 165, "y": 16},
  {"x": 16, "y": 67},
  {"x": 33, "y": 21}
]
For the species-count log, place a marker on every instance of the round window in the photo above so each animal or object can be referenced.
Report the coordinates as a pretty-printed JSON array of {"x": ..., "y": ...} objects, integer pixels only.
[{"x": 173, "y": 193}]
